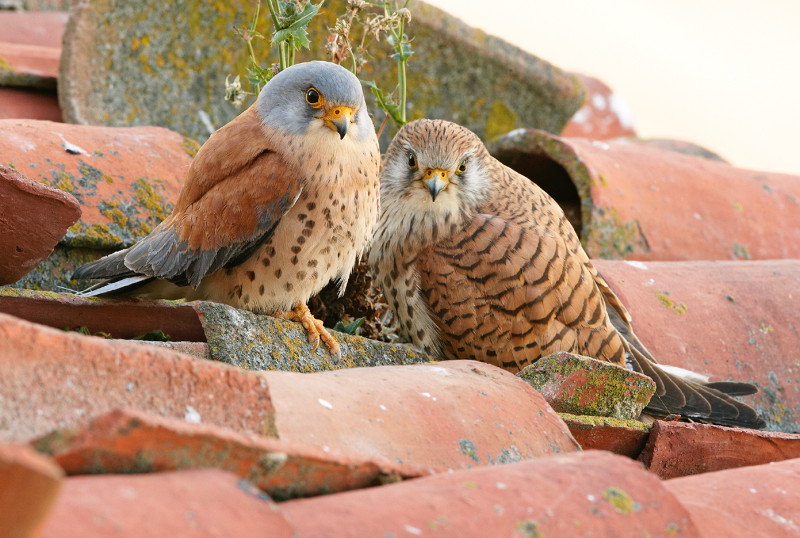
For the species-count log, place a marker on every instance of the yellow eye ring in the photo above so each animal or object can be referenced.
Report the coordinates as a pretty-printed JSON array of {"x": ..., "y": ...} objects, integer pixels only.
[
  {"x": 314, "y": 98},
  {"x": 462, "y": 167},
  {"x": 412, "y": 161}
]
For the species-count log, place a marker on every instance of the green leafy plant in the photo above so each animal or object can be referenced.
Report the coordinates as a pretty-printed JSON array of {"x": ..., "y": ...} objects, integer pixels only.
[
  {"x": 387, "y": 19},
  {"x": 290, "y": 19},
  {"x": 84, "y": 330},
  {"x": 349, "y": 328},
  {"x": 290, "y": 32},
  {"x": 154, "y": 336}
]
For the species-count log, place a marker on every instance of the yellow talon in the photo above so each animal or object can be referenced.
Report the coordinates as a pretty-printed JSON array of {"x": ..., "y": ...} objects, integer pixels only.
[{"x": 314, "y": 328}]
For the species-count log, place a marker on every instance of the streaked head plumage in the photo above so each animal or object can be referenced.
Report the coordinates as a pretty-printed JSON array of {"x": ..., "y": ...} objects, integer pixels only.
[{"x": 436, "y": 165}]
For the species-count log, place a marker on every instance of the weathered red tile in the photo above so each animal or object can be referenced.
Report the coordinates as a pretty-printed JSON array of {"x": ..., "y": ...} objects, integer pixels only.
[
  {"x": 584, "y": 386},
  {"x": 593, "y": 492},
  {"x": 237, "y": 337},
  {"x": 604, "y": 114},
  {"x": 116, "y": 318},
  {"x": 28, "y": 65},
  {"x": 763, "y": 500},
  {"x": 623, "y": 437},
  {"x": 17, "y": 103},
  {"x": 637, "y": 201},
  {"x": 390, "y": 412},
  {"x": 678, "y": 146},
  {"x": 204, "y": 502},
  {"x": 126, "y": 179},
  {"x": 53, "y": 379},
  {"x": 29, "y": 484},
  {"x": 446, "y": 415},
  {"x": 726, "y": 320},
  {"x": 42, "y": 28},
  {"x": 676, "y": 449},
  {"x": 128, "y": 441},
  {"x": 33, "y": 218},
  {"x": 200, "y": 350}
]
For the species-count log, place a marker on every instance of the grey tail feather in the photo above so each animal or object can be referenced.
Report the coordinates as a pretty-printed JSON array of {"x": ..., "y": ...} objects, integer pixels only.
[
  {"x": 703, "y": 402},
  {"x": 699, "y": 401},
  {"x": 119, "y": 279},
  {"x": 121, "y": 285},
  {"x": 733, "y": 388},
  {"x": 110, "y": 266}
]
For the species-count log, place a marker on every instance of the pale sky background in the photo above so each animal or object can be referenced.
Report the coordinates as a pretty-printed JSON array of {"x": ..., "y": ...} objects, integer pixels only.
[{"x": 721, "y": 73}]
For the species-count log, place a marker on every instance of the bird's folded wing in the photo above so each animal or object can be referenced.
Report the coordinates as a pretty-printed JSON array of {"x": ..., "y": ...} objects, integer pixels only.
[
  {"x": 514, "y": 289},
  {"x": 236, "y": 191}
]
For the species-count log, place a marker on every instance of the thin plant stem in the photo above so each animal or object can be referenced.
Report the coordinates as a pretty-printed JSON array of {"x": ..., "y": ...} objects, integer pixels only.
[
  {"x": 255, "y": 17},
  {"x": 283, "y": 55},
  {"x": 401, "y": 73},
  {"x": 383, "y": 123},
  {"x": 353, "y": 57},
  {"x": 273, "y": 10},
  {"x": 252, "y": 52}
]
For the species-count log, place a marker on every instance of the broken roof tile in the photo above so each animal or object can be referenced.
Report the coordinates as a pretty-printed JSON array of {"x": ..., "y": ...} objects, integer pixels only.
[
  {"x": 66, "y": 377},
  {"x": 29, "y": 485},
  {"x": 676, "y": 449},
  {"x": 130, "y": 441},
  {"x": 26, "y": 237},
  {"x": 623, "y": 437},
  {"x": 203, "y": 329},
  {"x": 481, "y": 414},
  {"x": 126, "y": 179},
  {"x": 124, "y": 318}
]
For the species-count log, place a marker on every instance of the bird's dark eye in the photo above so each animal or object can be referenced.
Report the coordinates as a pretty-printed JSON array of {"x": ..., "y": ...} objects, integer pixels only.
[
  {"x": 412, "y": 161},
  {"x": 313, "y": 98},
  {"x": 462, "y": 167}
]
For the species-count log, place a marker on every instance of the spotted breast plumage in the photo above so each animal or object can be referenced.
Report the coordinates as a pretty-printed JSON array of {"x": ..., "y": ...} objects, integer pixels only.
[
  {"x": 477, "y": 262},
  {"x": 275, "y": 204}
]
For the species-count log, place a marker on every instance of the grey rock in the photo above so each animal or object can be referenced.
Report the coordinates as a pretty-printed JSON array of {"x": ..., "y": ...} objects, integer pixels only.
[
  {"x": 165, "y": 63},
  {"x": 584, "y": 386},
  {"x": 259, "y": 342}
]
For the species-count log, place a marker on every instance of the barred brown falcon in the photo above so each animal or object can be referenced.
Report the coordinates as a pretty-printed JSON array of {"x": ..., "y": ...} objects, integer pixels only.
[
  {"x": 276, "y": 203},
  {"x": 477, "y": 262}
]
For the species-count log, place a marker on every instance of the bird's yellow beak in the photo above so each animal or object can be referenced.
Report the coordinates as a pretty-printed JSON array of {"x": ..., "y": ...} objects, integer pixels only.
[
  {"x": 436, "y": 181},
  {"x": 338, "y": 118}
]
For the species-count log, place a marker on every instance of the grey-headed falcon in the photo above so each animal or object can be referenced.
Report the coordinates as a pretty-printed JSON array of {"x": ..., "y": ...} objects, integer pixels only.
[{"x": 275, "y": 204}]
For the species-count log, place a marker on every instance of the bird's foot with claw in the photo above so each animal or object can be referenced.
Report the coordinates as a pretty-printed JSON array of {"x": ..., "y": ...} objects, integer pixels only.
[{"x": 314, "y": 328}]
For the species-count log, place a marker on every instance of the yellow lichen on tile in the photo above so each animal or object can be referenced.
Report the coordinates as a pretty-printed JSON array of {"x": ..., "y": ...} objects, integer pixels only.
[
  {"x": 5, "y": 66},
  {"x": 620, "y": 500},
  {"x": 500, "y": 121}
]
